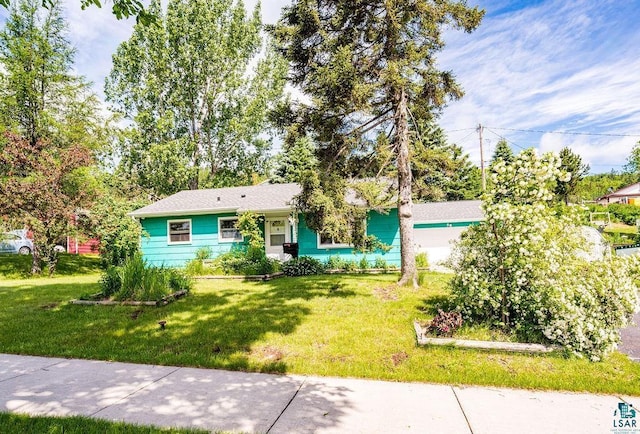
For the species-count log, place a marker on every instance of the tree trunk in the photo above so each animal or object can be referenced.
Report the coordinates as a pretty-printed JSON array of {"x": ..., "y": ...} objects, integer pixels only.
[
  {"x": 195, "y": 177},
  {"x": 408, "y": 271},
  {"x": 36, "y": 263}
]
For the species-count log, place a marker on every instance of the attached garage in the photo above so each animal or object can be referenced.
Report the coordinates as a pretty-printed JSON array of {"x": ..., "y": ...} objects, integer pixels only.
[{"x": 438, "y": 224}]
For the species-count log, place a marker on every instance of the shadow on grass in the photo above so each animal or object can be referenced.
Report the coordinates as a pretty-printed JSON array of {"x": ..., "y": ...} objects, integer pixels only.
[
  {"x": 19, "y": 266},
  {"x": 431, "y": 304},
  {"x": 226, "y": 327},
  {"x": 222, "y": 324}
]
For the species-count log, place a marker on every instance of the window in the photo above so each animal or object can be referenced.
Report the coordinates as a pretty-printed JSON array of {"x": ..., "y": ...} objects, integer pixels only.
[
  {"x": 330, "y": 242},
  {"x": 277, "y": 232},
  {"x": 227, "y": 230},
  {"x": 327, "y": 242},
  {"x": 179, "y": 231}
]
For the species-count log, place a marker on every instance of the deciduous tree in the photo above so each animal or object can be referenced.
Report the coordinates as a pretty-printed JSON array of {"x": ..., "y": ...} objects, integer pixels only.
[
  {"x": 54, "y": 122},
  {"x": 370, "y": 68},
  {"x": 41, "y": 186},
  {"x": 188, "y": 85},
  {"x": 120, "y": 8}
]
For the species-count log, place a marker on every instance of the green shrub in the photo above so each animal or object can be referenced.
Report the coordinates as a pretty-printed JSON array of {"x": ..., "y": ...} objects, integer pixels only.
[
  {"x": 232, "y": 262},
  {"x": 136, "y": 280},
  {"x": 422, "y": 260},
  {"x": 203, "y": 253},
  {"x": 363, "y": 264},
  {"x": 153, "y": 286},
  {"x": 178, "y": 280},
  {"x": 302, "y": 266},
  {"x": 381, "y": 263},
  {"x": 524, "y": 268},
  {"x": 238, "y": 262},
  {"x": 627, "y": 214},
  {"x": 350, "y": 266},
  {"x": 262, "y": 265},
  {"x": 195, "y": 267},
  {"x": 110, "y": 281},
  {"x": 335, "y": 263}
]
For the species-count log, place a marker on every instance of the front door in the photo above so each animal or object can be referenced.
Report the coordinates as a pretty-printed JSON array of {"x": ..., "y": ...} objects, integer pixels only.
[{"x": 276, "y": 233}]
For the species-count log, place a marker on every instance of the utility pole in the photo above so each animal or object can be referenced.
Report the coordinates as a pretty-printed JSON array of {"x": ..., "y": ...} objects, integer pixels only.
[{"x": 484, "y": 178}]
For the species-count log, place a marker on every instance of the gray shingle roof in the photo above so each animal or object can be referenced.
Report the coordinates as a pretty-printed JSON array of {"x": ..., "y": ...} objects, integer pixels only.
[
  {"x": 463, "y": 210},
  {"x": 278, "y": 197},
  {"x": 263, "y": 197}
]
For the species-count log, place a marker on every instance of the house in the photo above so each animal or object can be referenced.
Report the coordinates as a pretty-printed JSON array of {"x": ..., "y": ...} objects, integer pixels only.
[
  {"x": 627, "y": 195},
  {"x": 179, "y": 225}
]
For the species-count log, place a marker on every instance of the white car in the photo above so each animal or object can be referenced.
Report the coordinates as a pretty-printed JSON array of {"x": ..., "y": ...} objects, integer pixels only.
[{"x": 16, "y": 242}]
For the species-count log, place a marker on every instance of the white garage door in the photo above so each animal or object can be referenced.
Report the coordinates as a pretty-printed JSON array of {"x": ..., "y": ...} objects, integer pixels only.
[{"x": 436, "y": 242}]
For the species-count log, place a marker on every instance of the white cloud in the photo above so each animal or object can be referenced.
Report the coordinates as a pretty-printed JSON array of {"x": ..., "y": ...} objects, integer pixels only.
[{"x": 556, "y": 66}]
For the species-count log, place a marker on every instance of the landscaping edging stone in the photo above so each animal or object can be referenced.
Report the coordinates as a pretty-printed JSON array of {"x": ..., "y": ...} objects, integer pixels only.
[
  {"x": 483, "y": 345},
  {"x": 162, "y": 302},
  {"x": 263, "y": 277}
]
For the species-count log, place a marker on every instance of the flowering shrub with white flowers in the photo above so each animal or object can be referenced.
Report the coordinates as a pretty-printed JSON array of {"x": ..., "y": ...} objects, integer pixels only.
[{"x": 525, "y": 268}]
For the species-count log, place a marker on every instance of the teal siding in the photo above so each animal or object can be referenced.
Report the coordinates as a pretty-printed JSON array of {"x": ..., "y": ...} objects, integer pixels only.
[
  {"x": 444, "y": 225},
  {"x": 383, "y": 226},
  {"x": 204, "y": 233}
]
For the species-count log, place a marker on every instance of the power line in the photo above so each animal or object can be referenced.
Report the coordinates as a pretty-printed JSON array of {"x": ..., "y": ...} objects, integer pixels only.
[
  {"x": 467, "y": 136},
  {"x": 461, "y": 129},
  {"x": 505, "y": 139},
  {"x": 566, "y": 132}
]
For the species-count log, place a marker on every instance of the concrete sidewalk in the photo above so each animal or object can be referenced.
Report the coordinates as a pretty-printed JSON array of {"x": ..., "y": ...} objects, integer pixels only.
[{"x": 237, "y": 401}]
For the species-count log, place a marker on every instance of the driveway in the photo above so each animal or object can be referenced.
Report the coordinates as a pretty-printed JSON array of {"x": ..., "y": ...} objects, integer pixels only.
[{"x": 630, "y": 344}]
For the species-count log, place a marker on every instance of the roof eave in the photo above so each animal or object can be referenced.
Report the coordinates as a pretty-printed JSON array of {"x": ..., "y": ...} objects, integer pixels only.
[
  {"x": 267, "y": 210},
  {"x": 470, "y": 219},
  {"x": 182, "y": 212}
]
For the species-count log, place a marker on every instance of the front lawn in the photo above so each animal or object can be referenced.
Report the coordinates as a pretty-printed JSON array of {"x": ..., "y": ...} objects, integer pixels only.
[
  {"x": 14, "y": 423},
  {"x": 332, "y": 325},
  {"x": 19, "y": 266}
]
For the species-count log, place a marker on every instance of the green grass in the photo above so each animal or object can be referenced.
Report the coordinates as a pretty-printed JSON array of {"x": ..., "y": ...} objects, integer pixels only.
[
  {"x": 14, "y": 423},
  {"x": 332, "y": 325},
  {"x": 19, "y": 266}
]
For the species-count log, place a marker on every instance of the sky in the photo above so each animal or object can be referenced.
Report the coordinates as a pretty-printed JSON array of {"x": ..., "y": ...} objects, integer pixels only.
[{"x": 544, "y": 74}]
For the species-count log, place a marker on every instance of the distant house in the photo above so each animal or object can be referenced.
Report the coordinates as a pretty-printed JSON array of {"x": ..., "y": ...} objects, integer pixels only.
[
  {"x": 627, "y": 195},
  {"x": 179, "y": 225},
  {"x": 78, "y": 244}
]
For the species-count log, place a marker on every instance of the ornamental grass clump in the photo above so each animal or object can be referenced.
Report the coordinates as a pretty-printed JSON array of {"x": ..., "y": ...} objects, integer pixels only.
[
  {"x": 526, "y": 268},
  {"x": 136, "y": 280}
]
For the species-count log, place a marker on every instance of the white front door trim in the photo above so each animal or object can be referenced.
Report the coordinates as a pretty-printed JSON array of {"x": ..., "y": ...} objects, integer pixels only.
[{"x": 276, "y": 231}]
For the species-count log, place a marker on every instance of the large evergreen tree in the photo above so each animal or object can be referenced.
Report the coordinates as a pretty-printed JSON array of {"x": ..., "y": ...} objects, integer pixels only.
[
  {"x": 502, "y": 152},
  {"x": 294, "y": 160},
  {"x": 572, "y": 164},
  {"x": 442, "y": 170},
  {"x": 633, "y": 161},
  {"x": 199, "y": 110},
  {"x": 370, "y": 67}
]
